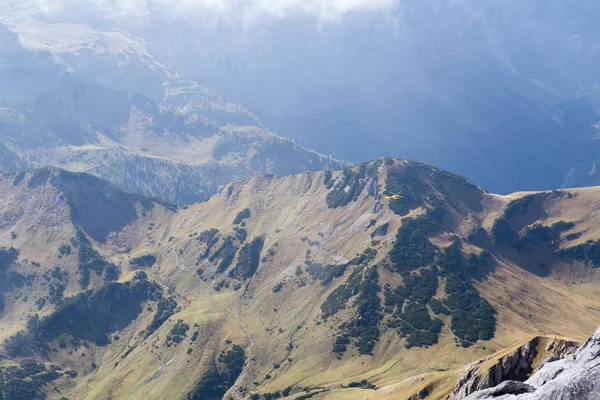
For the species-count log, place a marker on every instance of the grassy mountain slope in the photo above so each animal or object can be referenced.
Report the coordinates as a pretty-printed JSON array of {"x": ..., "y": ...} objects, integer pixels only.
[{"x": 320, "y": 281}]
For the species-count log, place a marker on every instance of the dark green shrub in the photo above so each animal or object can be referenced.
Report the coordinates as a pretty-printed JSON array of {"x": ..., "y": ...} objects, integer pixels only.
[
  {"x": 242, "y": 215},
  {"x": 146, "y": 261}
]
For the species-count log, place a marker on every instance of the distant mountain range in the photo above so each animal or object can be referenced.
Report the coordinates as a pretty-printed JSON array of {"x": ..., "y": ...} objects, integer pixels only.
[
  {"x": 97, "y": 102},
  {"x": 504, "y": 92}
]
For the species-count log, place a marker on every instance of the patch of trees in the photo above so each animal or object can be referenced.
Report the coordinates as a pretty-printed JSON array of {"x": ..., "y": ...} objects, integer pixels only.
[
  {"x": 210, "y": 237},
  {"x": 473, "y": 318},
  {"x": 406, "y": 181},
  {"x": 338, "y": 299},
  {"x": 412, "y": 248},
  {"x": 519, "y": 206},
  {"x": 140, "y": 276},
  {"x": 28, "y": 379},
  {"x": 278, "y": 287},
  {"x": 588, "y": 252},
  {"x": 373, "y": 169},
  {"x": 347, "y": 188},
  {"x": 364, "y": 384},
  {"x": 178, "y": 332},
  {"x": 438, "y": 307},
  {"x": 502, "y": 231},
  {"x": 38, "y": 177},
  {"x": 220, "y": 376},
  {"x": 477, "y": 235},
  {"x": 248, "y": 260},
  {"x": 381, "y": 230},
  {"x": 8, "y": 257},
  {"x": 241, "y": 216},
  {"x": 240, "y": 234},
  {"x": 64, "y": 250},
  {"x": 19, "y": 176},
  {"x": 90, "y": 316},
  {"x": 413, "y": 319},
  {"x": 364, "y": 327},
  {"x": 145, "y": 261},
  {"x": 325, "y": 274},
  {"x": 165, "y": 308},
  {"x": 207, "y": 235},
  {"x": 418, "y": 327},
  {"x": 477, "y": 261},
  {"x": 226, "y": 252},
  {"x": 327, "y": 177},
  {"x": 419, "y": 287},
  {"x": 91, "y": 260},
  {"x": 57, "y": 279},
  {"x": 538, "y": 234},
  {"x": 56, "y": 292}
]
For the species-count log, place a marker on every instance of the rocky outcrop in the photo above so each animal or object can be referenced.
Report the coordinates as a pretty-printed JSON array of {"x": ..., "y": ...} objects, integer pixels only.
[
  {"x": 514, "y": 365},
  {"x": 575, "y": 377}
]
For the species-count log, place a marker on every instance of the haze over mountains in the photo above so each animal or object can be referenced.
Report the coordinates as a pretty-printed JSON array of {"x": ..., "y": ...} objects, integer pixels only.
[
  {"x": 121, "y": 115},
  {"x": 484, "y": 89}
]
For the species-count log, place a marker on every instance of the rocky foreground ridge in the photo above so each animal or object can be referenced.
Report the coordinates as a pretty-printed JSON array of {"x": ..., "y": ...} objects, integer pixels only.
[{"x": 576, "y": 376}]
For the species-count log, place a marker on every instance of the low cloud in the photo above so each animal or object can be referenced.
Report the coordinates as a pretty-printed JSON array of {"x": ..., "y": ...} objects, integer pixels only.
[{"x": 246, "y": 10}]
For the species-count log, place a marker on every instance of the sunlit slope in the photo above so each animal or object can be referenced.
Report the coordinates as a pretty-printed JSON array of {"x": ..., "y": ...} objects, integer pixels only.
[{"x": 299, "y": 285}]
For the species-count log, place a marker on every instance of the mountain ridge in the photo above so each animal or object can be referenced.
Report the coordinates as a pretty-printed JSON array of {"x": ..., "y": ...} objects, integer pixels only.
[
  {"x": 180, "y": 147},
  {"x": 252, "y": 266}
]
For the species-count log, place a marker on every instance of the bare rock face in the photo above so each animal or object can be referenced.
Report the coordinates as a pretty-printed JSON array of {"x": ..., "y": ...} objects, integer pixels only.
[
  {"x": 575, "y": 377},
  {"x": 515, "y": 366}
]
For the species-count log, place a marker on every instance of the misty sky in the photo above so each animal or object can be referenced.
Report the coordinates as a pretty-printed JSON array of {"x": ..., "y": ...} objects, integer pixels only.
[{"x": 237, "y": 10}]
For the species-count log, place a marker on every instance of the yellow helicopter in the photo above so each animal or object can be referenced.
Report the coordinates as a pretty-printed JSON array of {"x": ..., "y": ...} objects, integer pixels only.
[{"x": 394, "y": 197}]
